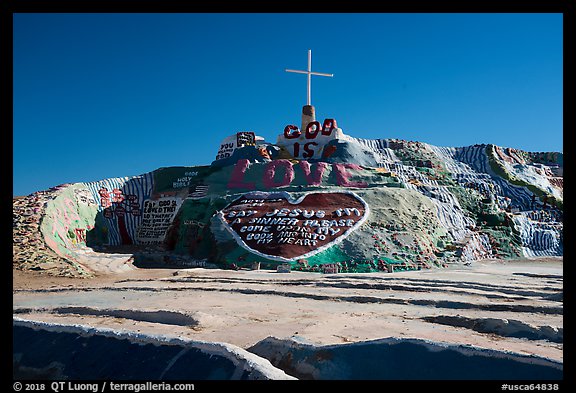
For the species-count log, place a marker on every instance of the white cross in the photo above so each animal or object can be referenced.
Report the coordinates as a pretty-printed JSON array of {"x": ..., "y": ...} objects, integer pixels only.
[{"x": 310, "y": 73}]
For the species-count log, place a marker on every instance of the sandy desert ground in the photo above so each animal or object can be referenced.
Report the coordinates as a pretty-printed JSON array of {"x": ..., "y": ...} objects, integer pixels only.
[{"x": 504, "y": 305}]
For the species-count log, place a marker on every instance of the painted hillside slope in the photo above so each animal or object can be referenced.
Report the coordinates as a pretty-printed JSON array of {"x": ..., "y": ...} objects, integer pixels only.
[{"x": 425, "y": 206}]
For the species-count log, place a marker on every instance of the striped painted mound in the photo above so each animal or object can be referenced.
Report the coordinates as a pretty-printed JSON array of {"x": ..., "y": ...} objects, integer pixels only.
[{"x": 429, "y": 205}]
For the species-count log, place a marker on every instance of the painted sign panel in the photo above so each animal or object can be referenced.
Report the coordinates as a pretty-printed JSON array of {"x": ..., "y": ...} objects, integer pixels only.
[
  {"x": 231, "y": 143},
  {"x": 276, "y": 226},
  {"x": 156, "y": 219},
  {"x": 310, "y": 143}
]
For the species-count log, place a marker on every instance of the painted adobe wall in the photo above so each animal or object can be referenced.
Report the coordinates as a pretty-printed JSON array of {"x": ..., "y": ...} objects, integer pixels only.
[{"x": 428, "y": 205}]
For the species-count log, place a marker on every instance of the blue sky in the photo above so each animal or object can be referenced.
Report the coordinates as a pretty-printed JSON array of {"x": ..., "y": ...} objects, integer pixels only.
[{"x": 111, "y": 95}]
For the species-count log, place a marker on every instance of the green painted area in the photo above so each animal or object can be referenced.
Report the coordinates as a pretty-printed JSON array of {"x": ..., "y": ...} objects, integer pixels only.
[
  {"x": 190, "y": 231},
  {"x": 180, "y": 178},
  {"x": 505, "y": 242},
  {"x": 333, "y": 254},
  {"x": 418, "y": 155},
  {"x": 468, "y": 199},
  {"x": 231, "y": 254},
  {"x": 347, "y": 265},
  {"x": 493, "y": 219},
  {"x": 505, "y": 239}
]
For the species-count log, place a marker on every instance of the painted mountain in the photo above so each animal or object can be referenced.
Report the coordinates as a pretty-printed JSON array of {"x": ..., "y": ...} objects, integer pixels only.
[{"x": 317, "y": 200}]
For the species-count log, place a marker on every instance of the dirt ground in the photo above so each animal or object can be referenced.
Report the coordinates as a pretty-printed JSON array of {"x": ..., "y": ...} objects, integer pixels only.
[{"x": 505, "y": 305}]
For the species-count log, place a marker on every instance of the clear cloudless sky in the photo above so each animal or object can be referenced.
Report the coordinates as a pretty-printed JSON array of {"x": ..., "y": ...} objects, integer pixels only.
[{"x": 111, "y": 95}]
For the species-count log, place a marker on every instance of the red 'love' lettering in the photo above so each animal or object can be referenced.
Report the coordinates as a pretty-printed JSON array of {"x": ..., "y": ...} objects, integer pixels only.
[{"x": 313, "y": 174}]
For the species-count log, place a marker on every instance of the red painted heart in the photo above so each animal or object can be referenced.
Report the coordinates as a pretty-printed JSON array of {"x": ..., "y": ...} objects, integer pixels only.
[{"x": 275, "y": 226}]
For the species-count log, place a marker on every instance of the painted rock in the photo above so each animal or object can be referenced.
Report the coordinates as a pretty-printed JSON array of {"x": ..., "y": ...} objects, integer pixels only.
[{"x": 278, "y": 227}]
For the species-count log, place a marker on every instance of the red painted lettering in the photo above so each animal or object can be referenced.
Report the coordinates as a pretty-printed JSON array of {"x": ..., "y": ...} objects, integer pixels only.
[
  {"x": 312, "y": 129},
  {"x": 315, "y": 178},
  {"x": 291, "y": 135},
  {"x": 328, "y": 126},
  {"x": 342, "y": 176},
  {"x": 270, "y": 171},
  {"x": 296, "y": 149},
  {"x": 308, "y": 151},
  {"x": 237, "y": 178}
]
